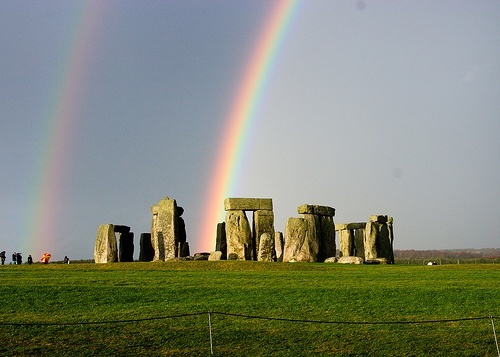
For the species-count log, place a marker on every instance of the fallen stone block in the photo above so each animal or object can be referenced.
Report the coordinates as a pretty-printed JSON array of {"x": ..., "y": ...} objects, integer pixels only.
[
  {"x": 350, "y": 260},
  {"x": 217, "y": 255}
]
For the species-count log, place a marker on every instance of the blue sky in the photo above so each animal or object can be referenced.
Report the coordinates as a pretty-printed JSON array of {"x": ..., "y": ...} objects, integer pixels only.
[{"x": 375, "y": 107}]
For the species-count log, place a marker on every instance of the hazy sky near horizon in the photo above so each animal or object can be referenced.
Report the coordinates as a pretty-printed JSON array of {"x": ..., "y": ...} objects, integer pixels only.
[{"x": 371, "y": 107}]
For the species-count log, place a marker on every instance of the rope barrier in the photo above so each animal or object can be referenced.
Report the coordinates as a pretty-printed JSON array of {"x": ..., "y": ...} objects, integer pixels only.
[
  {"x": 99, "y": 322},
  {"x": 247, "y": 317},
  {"x": 353, "y": 322},
  {"x": 211, "y": 313}
]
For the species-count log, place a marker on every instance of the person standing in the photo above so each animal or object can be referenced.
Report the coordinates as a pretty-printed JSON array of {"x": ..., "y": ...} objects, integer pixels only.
[
  {"x": 2, "y": 256},
  {"x": 30, "y": 259},
  {"x": 19, "y": 259},
  {"x": 66, "y": 259},
  {"x": 14, "y": 258}
]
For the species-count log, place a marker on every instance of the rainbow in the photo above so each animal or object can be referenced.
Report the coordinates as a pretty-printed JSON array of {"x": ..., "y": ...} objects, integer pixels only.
[
  {"x": 67, "y": 92},
  {"x": 241, "y": 116}
]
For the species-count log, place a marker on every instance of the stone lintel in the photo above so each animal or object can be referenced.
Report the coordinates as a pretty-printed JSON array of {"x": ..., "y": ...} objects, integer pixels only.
[
  {"x": 317, "y": 210},
  {"x": 361, "y": 225},
  {"x": 380, "y": 218},
  {"x": 248, "y": 204},
  {"x": 342, "y": 226},
  {"x": 120, "y": 228}
]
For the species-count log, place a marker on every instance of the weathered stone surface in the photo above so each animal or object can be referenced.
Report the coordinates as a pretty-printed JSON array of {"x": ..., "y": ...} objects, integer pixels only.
[
  {"x": 379, "y": 236},
  {"x": 248, "y": 204},
  {"x": 126, "y": 249},
  {"x": 350, "y": 260},
  {"x": 263, "y": 222},
  {"x": 146, "y": 253},
  {"x": 340, "y": 226},
  {"x": 317, "y": 210},
  {"x": 217, "y": 255},
  {"x": 158, "y": 248},
  {"x": 331, "y": 260},
  {"x": 266, "y": 248},
  {"x": 164, "y": 229},
  {"x": 376, "y": 261},
  {"x": 327, "y": 238},
  {"x": 220, "y": 240},
  {"x": 346, "y": 240},
  {"x": 278, "y": 246},
  {"x": 301, "y": 243},
  {"x": 167, "y": 223},
  {"x": 238, "y": 235},
  {"x": 105, "y": 249}
]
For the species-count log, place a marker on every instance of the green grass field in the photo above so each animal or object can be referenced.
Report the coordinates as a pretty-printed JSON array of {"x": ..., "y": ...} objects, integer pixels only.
[{"x": 129, "y": 309}]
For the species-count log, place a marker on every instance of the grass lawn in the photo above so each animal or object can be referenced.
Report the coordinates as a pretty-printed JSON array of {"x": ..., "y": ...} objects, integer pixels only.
[{"x": 120, "y": 309}]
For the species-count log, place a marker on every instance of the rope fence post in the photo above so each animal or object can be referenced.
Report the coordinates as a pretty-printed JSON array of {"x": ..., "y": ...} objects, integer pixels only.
[
  {"x": 210, "y": 330},
  {"x": 495, "y": 334}
]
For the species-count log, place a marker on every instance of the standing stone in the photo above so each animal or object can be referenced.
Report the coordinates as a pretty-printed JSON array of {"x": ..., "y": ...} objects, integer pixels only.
[
  {"x": 359, "y": 244},
  {"x": 146, "y": 253},
  {"x": 379, "y": 238},
  {"x": 346, "y": 239},
  {"x": 126, "y": 249},
  {"x": 105, "y": 250},
  {"x": 390, "y": 256},
  {"x": 266, "y": 248},
  {"x": 167, "y": 219},
  {"x": 164, "y": 229},
  {"x": 301, "y": 243},
  {"x": 185, "y": 250},
  {"x": 327, "y": 238},
  {"x": 263, "y": 222},
  {"x": 370, "y": 241},
  {"x": 278, "y": 246},
  {"x": 220, "y": 240},
  {"x": 238, "y": 235},
  {"x": 180, "y": 233},
  {"x": 159, "y": 251},
  {"x": 324, "y": 228}
]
